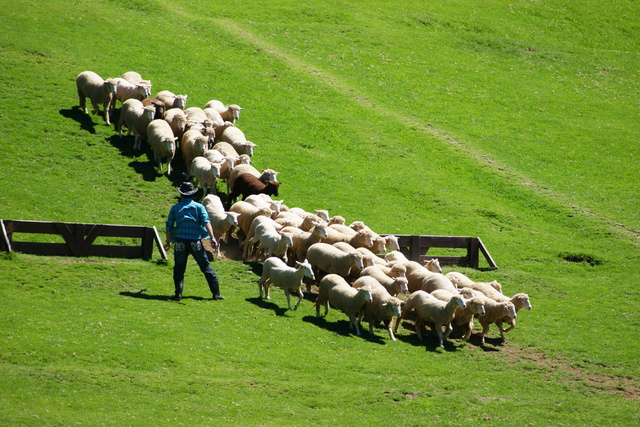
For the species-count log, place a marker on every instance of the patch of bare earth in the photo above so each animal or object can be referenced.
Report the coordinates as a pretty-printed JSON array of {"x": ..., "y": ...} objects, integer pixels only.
[{"x": 599, "y": 382}]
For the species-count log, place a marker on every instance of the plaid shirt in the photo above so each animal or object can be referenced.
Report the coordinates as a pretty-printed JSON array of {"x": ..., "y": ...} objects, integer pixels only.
[{"x": 186, "y": 220}]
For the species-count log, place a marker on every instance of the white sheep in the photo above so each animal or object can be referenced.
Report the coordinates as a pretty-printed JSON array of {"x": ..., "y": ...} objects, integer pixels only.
[
  {"x": 249, "y": 242},
  {"x": 433, "y": 265},
  {"x": 221, "y": 221},
  {"x": 275, "y": 272},
  {"x": 375, "y": 259},
  {"x": 177, "y": 120},
  {"x": 162, "y": 142},
  {"x": 383, "y": 306},
  {"x": 206, "y": 173},
  {"x": 226, "y": 163},
  {"x": 422, "y": 279},
  {"x": 247, "y": 213},
  {"x": 346, "y": 247},
  {"x": 302, "y": 240},
  {"x": 171, "y": 100},
  {"x": 463, "y": 317},
  {"x": 393, "y": 285},
  {"x": 192, "y": 145},
  {"x": 519, "y": 301},
  {"x": 135, "y": 77},
  {"x": 329, "y": 259},
  {"x": 126, "y": 90},
  {"x": 270, "y": 241},
  {"x": 99, "y": 91},
  {"x": 462, "y": 281},
  {"x": 236, "y": 137},
  {"x": 495, "y": 312},
  {"x": 335, "y": 291},
  {"x": 264, "y": 201},
  {"x": 136, "y": 117},
  {"x": 396, "y": 257},
  {"x": 229, "y": 113},
  {"x": 432, "y": 310},
  {"x": 214, "y": 116},
  {"x": 195, "y": 114}
]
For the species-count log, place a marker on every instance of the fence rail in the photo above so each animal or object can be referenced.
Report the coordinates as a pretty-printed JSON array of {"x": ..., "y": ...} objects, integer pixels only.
[
  {"x": 79, "y": 239},
  {"x": 416, "y": 247}
]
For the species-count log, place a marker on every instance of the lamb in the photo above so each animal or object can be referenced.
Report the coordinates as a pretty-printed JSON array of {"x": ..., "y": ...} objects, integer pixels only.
[
  {"x": 246, "y": 184},
  {"x": 393, "y": 285},
  {"x": 136, "y": 117},
  {"x": 383, "y": 306},
  {"x": 329, "y": 259},
  {"x": 177, "y": 120},
  {"x": 236, "y": 137},
  {"x": 334, "y": 290},
  {"x": 170, "y": 100},
  {"x": 519, "y": 300},
  {"x": 275, "y": 272},
  {"x": 463, "y": 317},
  {"x": 495, "y": 312},
  {"x": 229, "y": 113},
  {"x": 192, "y": 145},
  {"x": 221, "y": 221},
  {"x": 206, "y": 173},
  {"x": 135, "y": 78},
  {"x": 162, "y": 142},
  {"x": 99, "y": 91},
  {"x": 430, "y": 309},
  {"x": 126, "y": 90},
  {"x": 302, "y": 240}
]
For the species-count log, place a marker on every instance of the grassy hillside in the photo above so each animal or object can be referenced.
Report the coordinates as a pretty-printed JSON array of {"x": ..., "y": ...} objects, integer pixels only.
[{"x": 516, "y": 122}]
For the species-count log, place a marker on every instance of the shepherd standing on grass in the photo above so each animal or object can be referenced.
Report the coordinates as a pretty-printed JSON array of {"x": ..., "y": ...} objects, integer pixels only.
[{"x": 187, "y": 224}]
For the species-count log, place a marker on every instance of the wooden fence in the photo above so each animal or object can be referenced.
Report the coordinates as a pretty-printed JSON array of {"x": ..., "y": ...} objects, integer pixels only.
[
  {"x": 79, "y": 239},
  {"x": 416, "y": 247}
]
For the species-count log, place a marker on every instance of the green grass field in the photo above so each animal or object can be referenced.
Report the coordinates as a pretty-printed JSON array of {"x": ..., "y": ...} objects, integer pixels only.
[{"x": 517, "y": 122}]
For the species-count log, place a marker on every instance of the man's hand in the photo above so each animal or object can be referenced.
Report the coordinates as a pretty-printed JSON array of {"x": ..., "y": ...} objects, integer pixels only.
[{"x": 167, "y": 246}]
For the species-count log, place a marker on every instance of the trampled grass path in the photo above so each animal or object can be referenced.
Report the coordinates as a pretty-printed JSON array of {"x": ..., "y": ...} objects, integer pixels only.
[{"x": 358, "y": 95}]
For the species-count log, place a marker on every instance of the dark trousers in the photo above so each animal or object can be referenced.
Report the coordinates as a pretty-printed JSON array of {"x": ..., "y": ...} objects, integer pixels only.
[{"x": 181, "y": 250}]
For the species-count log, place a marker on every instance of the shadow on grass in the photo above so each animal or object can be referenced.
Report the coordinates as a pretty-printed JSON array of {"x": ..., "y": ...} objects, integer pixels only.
[
  {"x": 142, "y": 295},
  {"x": 85, "y": 120},
  {"x": 341, "y": 327},
  {"x": 268, "y": 305},
  {"x": 429, "y": 339}
]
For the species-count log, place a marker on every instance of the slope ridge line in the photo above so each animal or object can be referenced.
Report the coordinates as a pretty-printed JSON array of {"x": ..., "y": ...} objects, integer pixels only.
[{"x": 483, "y": 160}]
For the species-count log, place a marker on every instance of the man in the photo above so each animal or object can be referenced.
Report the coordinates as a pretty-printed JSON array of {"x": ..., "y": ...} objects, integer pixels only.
[{"x": 187, "y": 224}]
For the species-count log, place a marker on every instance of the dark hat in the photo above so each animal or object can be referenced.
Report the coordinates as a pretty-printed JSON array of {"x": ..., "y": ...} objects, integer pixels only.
[{"x": 186, "y": 189}]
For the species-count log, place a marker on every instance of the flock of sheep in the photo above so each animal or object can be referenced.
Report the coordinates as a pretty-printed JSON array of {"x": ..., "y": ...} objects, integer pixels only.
[{"x": 298, "y": 248}]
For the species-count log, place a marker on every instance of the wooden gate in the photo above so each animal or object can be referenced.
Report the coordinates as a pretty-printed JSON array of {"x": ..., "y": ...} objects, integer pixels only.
[
  {"x": 416, "y": 247},
  {"x": 79, "y": 239}
]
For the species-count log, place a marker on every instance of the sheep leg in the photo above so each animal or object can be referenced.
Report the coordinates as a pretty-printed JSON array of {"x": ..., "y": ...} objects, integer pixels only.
[
  {"x": 448, "y": 330},
  {"x": 83, "y": 102},
  {"x": 467, "y": 333},
  {"x": 387, "y": 324},
  {"x": 300, "y": 297},
  {"x": 353, "y": 323},
  {"x": 96, "y": 108},
  {"x": 418, "y": 327},
  {"x": 286, "y": 292}
]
